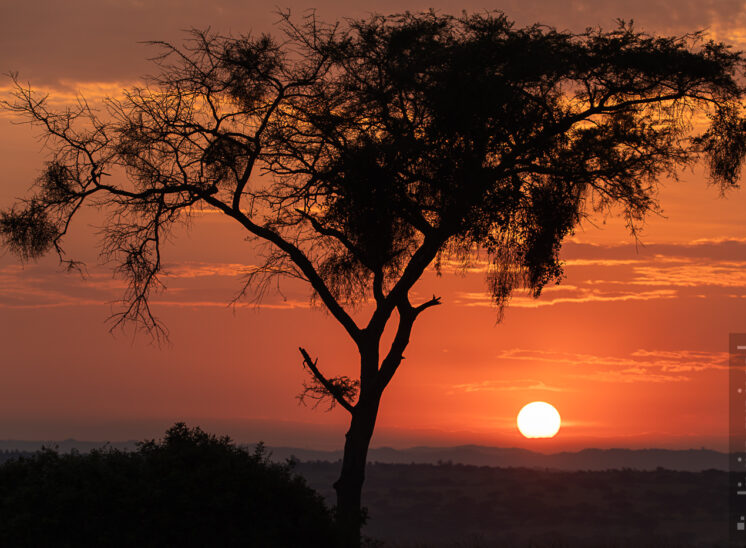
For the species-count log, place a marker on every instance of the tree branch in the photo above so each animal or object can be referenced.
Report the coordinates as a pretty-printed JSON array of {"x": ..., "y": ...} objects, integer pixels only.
[
  {"x": 407, "y": 316},
  {"x": 326, "y": 231},
  {"x": 241, "y": 183},
  {"x": 435, "y": 301},
  {"x": 299, "y": 258},
  {"x": 412, "y": 272},
  {"x": 333, "y": 390}
]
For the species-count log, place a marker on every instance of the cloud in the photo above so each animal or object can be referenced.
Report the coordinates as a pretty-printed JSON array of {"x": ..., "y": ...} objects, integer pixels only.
[
  {"x": 692, "y": 274},
  {"x": 67, "y": 92},
  {"x": 582, "y": 296},
  {"x": 596, "y": 274},
  {"x": 44, "y": 286},
  {"x": 631, "y": 375},
  {"x": 189, "y": 284},
  {"x": 507, "y": 385},
  {"x": 641, "y": 365},
  {"x": 202, "y": 270},
  {"x": 286, "y": 304},
  {"x": 616, "y": 273},
  {"x": 601, "y": 262},
  {"x": 719, "y": 249}
]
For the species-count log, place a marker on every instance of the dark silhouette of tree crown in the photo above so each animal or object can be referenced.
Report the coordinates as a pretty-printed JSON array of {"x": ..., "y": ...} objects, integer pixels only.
[
  {"x": 474, "y": 134},
  {"x": 189, "y": 489},
  {"x": 389, "y": 142}
]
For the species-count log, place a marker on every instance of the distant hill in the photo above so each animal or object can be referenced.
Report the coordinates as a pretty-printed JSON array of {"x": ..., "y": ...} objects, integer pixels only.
[
  {"x": 691, "y": 460},
  {"x": 63, "y": 446}
]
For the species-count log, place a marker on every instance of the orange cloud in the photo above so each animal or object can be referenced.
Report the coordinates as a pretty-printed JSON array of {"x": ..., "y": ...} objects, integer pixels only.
[
  {"x": 721, "y": 274},
  {"x": 190, "y": 284},
  {"x": 507, "y": 385},
  {"x": 583, "y": 296},
  {"x": 641, "y": 366}
]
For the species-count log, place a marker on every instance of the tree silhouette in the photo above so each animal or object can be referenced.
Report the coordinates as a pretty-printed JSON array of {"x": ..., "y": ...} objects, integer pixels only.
[
  {"x": 362, "y": 153},
  {"x": 188, "y": 489}
]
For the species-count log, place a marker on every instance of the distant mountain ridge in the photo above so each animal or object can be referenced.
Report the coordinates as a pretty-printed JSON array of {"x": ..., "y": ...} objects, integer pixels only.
[
  {"x": 689, "y": 460},
  {"x": 63, "y": 446}
]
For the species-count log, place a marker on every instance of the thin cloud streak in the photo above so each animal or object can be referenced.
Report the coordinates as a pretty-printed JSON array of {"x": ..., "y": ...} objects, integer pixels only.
[
  {"x": 483, "y": 299},
  {"x": 631, "y": 375},
  {"x": 678, "y": 360},
  {"x": 201, "y": 270},
  {"x": 662, "y": 278},
  {"x": 642, "y": 365},
  {"x": 68, "y": 93},
  {"x": 507, "y": 386},
  {"x": 42, "y": 286},
  {"x": 724, "y": 274},
  {"x": 284, "y": 305}
]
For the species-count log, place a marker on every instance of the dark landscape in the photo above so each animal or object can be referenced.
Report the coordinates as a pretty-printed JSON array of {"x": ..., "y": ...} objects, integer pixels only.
[
  {"x": 447, "y": 504},
  {"x": 431, "y": 502}
]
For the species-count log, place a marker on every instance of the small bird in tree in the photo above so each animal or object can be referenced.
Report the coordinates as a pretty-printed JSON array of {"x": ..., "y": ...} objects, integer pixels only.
[{"x": 386, "y": 145}]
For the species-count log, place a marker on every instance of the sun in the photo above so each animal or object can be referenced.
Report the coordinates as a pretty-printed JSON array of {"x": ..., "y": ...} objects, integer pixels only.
[{"x": 539, "y": 420}]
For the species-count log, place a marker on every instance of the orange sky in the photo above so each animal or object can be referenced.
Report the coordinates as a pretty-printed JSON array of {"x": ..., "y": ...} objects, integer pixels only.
[{"x": 631, "y": 348}]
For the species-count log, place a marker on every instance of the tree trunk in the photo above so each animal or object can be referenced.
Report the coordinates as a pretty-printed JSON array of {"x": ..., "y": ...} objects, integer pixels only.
[{"x": 350, "y": 483}]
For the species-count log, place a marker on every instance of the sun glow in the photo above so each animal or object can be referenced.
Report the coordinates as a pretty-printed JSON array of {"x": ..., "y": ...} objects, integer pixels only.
[{"x": 539, "y": 420}]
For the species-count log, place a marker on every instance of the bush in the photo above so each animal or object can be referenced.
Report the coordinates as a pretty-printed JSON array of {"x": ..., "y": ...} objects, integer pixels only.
[{"x": 190, "y": 489}]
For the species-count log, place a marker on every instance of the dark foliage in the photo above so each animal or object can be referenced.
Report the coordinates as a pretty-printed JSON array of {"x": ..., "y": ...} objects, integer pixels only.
[
  {"x": 477, "y": 134},
  {"x": 190, "y": 489},
  {"x": 379, "y": 159},
  {"x": 11, "y": 454}
]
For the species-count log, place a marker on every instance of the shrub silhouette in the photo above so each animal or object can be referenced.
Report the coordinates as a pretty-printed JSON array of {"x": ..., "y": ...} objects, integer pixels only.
[{"x": 190, "y": 489}]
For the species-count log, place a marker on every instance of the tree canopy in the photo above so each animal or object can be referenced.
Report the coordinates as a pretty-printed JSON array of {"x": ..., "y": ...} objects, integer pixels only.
[
  {"x": 188, "y": 489},
  {"x": 390, "y": 142}
]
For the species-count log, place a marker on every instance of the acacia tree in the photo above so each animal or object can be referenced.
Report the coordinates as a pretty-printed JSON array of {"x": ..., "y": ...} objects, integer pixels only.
[{"x": 364, "y": 152}]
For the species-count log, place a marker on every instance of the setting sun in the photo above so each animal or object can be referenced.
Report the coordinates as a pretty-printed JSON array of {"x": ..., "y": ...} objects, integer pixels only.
[{"x": 538, "y": 420}]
